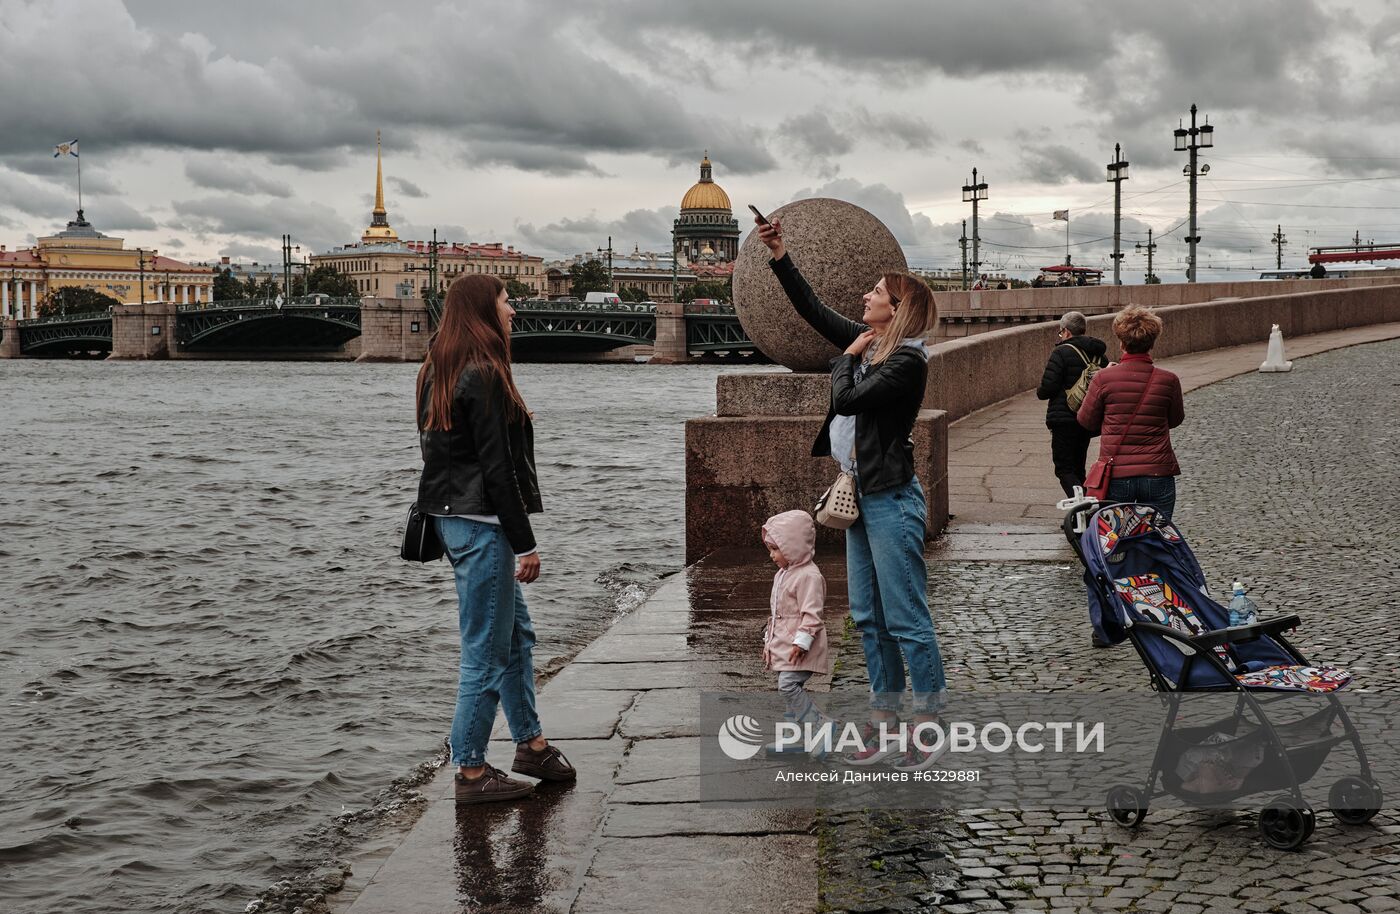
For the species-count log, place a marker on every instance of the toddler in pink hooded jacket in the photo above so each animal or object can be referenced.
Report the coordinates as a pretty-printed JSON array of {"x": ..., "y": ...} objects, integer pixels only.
[{"x": 794, "y": 643}]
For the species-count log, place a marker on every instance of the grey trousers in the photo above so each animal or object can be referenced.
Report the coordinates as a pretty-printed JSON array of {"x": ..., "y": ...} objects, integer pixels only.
[{"x": 792, "y": 685}]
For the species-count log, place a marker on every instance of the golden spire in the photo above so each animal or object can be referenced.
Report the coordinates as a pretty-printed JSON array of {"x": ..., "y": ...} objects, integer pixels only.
[
  {"x": 378, "y": 175},
  {"x": 379, "y": 230}
]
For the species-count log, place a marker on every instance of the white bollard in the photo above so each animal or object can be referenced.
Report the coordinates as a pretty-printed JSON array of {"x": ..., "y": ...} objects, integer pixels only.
[{"x": 1274, "y": 360}]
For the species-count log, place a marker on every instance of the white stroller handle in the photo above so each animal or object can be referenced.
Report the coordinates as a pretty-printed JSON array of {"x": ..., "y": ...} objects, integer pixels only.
[{"x": 1078, "y": 502}]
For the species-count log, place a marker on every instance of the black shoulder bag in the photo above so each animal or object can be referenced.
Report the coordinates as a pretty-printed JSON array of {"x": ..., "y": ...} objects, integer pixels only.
[{"x": 420, "y": 538}]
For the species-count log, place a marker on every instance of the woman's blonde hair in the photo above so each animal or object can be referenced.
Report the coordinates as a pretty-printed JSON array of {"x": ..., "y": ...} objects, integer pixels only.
[
  {"x": 1137, "y": 328},
  {"x": 915, "y": 313}
]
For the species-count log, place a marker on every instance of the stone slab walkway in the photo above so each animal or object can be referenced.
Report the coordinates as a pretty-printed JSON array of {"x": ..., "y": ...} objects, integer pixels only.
[{"x": 1002, "y": 488}]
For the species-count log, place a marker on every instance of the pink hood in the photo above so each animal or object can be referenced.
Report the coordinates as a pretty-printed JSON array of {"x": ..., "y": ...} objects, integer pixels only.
[{"x": 795, "y": 535}]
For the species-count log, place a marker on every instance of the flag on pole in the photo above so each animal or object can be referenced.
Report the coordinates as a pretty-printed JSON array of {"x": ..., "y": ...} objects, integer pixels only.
[
  {"x": 1062, "y": 214},
  {"x": 70, "y": 148}
]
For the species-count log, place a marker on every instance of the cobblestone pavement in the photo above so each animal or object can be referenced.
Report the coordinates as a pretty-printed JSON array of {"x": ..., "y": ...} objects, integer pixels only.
[{"x": 1290, "y": 485}]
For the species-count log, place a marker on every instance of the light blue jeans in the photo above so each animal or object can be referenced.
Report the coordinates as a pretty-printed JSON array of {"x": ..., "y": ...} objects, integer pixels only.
[
  {"x": 888, "y": 585},
  {"x": 497, "y": 640}
]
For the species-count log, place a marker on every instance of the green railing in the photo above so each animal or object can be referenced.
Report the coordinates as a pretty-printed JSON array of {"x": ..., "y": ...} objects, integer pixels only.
[
  {"x": 66, "y": 318},
  {"x": 297, "y": 301}
]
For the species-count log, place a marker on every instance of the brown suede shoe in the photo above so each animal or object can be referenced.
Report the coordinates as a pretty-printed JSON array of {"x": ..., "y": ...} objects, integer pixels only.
[
  {"x": 548, "y": 764},
  {"x": 493, "y": 785}
]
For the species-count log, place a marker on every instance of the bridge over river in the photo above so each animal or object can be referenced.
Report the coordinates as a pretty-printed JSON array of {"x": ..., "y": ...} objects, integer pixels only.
[{"x": 375, "y": 329}]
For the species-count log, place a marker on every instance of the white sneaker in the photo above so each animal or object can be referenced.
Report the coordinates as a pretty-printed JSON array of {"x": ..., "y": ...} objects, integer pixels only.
[
  {"x": 915, "y": 759},
  {"x": 875, "y": 751}
]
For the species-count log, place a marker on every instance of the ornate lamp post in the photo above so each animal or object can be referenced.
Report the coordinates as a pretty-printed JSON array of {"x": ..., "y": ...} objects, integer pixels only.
[
  {"x": 1117, "y": 174},
  {"x": 972, "y": 193},
  {"x": 1189, "y": 140},
  {"x": 1149, "y": 248}
]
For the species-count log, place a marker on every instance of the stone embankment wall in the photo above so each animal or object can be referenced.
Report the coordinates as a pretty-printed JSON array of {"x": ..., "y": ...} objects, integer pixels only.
[{"x": 752, "y": 458}]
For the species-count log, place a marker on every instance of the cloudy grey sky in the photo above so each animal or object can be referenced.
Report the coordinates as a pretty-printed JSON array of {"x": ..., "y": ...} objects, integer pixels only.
[{"x": 211, "y": 129}]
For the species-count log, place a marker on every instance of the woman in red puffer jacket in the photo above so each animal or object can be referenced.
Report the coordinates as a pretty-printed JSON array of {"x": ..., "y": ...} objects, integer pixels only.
[{"x": 1134, "y": 405}]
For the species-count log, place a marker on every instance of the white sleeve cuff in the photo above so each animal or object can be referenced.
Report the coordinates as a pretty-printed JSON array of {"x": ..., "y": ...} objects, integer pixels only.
[
  {"x": 803, "y": 640},
  {"x": 521, "y": 555}
]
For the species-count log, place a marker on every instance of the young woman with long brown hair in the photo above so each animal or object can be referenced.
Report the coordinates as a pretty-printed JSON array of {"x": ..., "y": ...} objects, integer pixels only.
[
  {"x": 479, "y": 484},
  {"x": 877, "y": 389}
]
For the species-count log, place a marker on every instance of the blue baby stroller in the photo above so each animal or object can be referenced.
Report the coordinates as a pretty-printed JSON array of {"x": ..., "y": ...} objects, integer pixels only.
[{"x": 1145, "y": 585}]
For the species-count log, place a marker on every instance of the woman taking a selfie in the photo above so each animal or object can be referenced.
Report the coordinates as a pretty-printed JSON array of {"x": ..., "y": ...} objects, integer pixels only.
[
  {"x": 479, "y": 484},
  {"x": 877, "y": 388}
]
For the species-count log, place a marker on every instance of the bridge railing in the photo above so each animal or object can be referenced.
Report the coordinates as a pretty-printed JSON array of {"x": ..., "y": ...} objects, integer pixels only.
[
  {"x": 296, "y": 301},
  {"x": 66, "y": 318},
  {"x": 544, "y": 304}
]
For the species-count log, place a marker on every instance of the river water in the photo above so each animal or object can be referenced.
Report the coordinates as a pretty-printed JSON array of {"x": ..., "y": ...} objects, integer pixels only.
[{"x": 212, "y": 661}]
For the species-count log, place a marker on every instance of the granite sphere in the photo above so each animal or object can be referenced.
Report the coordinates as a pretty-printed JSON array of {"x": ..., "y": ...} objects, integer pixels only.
[{"x": 840, "y": 248}]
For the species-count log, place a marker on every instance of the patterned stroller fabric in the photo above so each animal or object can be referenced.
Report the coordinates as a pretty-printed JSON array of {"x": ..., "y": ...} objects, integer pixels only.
[{"x": 1149, "y": 574}]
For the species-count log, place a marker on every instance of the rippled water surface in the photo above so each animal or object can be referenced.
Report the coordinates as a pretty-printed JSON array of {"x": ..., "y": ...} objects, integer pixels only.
[{"x": 209, "y": 648}]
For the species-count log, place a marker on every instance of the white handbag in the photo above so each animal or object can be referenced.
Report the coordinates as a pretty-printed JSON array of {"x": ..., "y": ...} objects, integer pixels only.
[{"x": 837, "y": 507}]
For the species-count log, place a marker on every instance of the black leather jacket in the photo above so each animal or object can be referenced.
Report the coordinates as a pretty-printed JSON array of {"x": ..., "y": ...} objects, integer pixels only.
[
  {"x": 485, "y": 464},
  {"x": 886, "y": 401},
  {"x": 1062, "y": 370}
]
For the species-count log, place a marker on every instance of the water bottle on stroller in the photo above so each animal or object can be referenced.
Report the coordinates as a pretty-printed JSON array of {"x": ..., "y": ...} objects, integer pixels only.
[{"x": 1242, "y": 608}]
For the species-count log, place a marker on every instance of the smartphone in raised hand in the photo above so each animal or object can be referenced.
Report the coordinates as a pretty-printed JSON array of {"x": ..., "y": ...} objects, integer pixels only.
[{"x": 759, "y": 216}]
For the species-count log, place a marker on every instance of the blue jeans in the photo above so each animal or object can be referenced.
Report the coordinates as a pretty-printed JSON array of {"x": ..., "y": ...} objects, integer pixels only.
[
  {"x": 888, "y": 586},
  {"x": 497, "y": 640},
  {"x": 1157, "y": 491}
]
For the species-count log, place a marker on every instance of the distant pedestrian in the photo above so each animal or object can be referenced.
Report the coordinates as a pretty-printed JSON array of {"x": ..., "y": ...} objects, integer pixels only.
[
  {"x": 1065, "y": 280},
  {"x": 794, "y": 642},
  {"x": 1001, "y": 286},
  {"x": 981, "y": 282},
  {"x": 1073, "y": 355},
  {"x": 877, "y": 390},
  {"x": 479, "y": 483},
  {"x": 1135, "y": 405},
  {"x": 1318, "y": 271}
]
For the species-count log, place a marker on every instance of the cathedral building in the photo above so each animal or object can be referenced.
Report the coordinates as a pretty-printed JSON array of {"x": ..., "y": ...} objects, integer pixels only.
[{"x": 706, "y": 230}]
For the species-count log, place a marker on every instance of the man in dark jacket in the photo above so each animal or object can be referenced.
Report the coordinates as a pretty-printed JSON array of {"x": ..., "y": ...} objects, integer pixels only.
[{"x": 1069, "y": 441}]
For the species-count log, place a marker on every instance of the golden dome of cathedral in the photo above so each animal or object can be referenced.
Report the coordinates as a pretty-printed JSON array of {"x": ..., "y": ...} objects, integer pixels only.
[{"x": 706, "y": 194}]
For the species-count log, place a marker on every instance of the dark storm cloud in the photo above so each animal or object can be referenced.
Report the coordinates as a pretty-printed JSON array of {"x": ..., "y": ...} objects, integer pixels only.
[
  {"x": 34, "y": 198},
  {"x": 406, "y": 187},
  {"x": 1055, "y": 164},
  {"x": 251, "y": 252},
  {"x": 883, "y": 202},
  {"x": 1132, "y": 65},
  {"x": 648, "y": 229},
  {"x": 62, "y": 170},
  {"x": 1349, "y": 154},
  {"x": 111, "y": 214},
  {"x": 819, "y": 137},
  {"x": 140, "y": 86},
  {"x": 220, "y": 175},
  {"x": 815, "y": 136},
  {"x": 312, "y": 225}
]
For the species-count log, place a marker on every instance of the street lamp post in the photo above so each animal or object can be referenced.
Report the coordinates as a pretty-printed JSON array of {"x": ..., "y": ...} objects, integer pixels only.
[
  {"x": 675, "y": 265},
  {"x": 1117, "y": 174},
  {"x": 962, "y": 244},
  {"x": 1278, "y": 241},
  {"x": 1189, "y": 141},
  {"x": 972, "y": 193},
  {"x": 1149, "y": 248},
  {"x": 609, "y": 251},
  {"x": 141, "y": 270}
]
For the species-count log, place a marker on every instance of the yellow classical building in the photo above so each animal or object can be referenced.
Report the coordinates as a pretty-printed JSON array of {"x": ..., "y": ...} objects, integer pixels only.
[
  {"x": 382, "y": 265},
  {"x": 82, "y": 257}
]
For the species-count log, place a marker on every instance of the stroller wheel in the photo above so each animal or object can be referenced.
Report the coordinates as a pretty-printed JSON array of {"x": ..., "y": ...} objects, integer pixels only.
[
  {"x": 1354, "y": 801},
  {"x": 1126, "y": 805},
  {"x": 1285, "y": 824}
]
